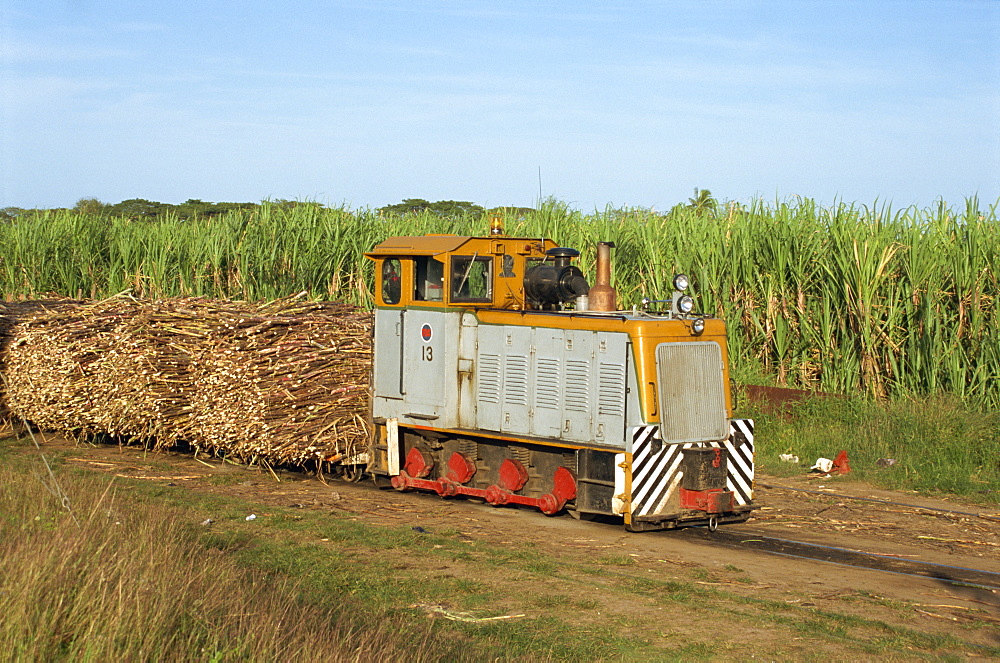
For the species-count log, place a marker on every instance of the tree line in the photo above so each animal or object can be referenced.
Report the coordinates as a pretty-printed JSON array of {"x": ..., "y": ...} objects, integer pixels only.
[{"x": 140, "y": 209}]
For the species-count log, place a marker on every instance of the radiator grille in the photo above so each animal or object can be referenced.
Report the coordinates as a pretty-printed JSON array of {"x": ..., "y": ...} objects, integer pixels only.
[{"x": 692, "y": 392}]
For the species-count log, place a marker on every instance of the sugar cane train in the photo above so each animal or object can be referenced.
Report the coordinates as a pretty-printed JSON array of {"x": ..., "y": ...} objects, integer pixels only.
[
  {"x": 492, "y": 369},
  {"x": 501, "y": 374}
]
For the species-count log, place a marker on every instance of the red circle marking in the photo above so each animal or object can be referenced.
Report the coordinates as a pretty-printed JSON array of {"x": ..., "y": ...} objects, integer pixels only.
[{"x": 426, "y": 332}]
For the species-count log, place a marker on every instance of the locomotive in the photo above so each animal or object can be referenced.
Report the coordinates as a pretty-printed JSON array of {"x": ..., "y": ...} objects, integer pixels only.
[{"x": 501, "y": 374}]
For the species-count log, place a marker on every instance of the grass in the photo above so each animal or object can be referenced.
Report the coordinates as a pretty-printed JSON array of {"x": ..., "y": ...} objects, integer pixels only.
[
  {"x": 115, "y": 578},
  {"x": 615, "y": 560},
  {"x": 939, "y": 445},
  {"x": 142, "y": 578}
]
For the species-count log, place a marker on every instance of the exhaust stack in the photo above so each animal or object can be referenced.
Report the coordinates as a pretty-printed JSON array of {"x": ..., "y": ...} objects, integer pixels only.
[{"x": 602, "y": 295}]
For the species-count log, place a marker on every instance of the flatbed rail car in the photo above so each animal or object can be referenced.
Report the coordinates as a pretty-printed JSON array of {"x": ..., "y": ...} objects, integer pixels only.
[{"x": 499, "y": 373}]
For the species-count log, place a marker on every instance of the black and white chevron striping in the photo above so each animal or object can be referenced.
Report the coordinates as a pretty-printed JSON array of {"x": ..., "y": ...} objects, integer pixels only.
[
  {"x": 741, "y": 451},
  {"x": 655, "y": 466}
]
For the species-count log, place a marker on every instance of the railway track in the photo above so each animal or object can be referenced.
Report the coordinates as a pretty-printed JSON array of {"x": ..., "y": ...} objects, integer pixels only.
[
  {"x": 873, "y": 500},
  {"x": 759, "y": 540},
  {"x": 755, "y": 540}
]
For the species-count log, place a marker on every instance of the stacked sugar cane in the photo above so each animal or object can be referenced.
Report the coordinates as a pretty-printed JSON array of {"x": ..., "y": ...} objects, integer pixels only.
[
  {"x": 278, "y": 382},
  {"x": 11, "y": 313},
  {"x": 289, "y": 382}
]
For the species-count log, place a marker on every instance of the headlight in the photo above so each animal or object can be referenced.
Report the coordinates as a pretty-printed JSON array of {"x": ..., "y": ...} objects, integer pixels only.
[
  {"x": 680, "y": 282},
  {"x": 698, "y": 325},
  {"x": 685, "y": 303}
]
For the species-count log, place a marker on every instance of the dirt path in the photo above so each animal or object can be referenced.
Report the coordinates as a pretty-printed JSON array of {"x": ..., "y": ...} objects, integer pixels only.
[{"x": 921, "y": 604}]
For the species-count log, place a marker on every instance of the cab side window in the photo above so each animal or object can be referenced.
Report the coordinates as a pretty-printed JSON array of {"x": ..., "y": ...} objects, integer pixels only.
[
  {"x": 391, "y": 285},
  {"x": 471, "y": 279},
  {"x": 429, "y": 279}
]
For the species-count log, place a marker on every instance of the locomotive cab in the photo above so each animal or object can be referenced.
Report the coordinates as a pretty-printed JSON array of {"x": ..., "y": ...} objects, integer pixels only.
[{"x": 501, "y": 374}]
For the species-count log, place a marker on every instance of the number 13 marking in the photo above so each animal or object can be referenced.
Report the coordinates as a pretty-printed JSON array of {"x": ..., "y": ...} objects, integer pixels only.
[{"x": 427, "y": 353}]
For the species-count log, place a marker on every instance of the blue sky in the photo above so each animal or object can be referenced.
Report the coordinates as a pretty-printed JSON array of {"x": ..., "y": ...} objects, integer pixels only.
[{"x": 627, "y": 104}]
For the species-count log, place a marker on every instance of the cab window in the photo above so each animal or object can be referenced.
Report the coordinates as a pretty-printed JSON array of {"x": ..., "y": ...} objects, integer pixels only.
[
  {"x": 391, "y": 285},
  {"x": 471, "y": 279},
  {"x": 429, "y": 281}
]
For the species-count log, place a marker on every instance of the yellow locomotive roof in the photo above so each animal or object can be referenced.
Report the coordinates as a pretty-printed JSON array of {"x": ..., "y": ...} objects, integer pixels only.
[{"x": 426, "y": 245}]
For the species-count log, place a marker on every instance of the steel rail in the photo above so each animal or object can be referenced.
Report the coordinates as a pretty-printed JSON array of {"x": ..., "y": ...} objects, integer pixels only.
[
  {"x": 958, "y": 575},
  {"x": 973, "y": 514}
]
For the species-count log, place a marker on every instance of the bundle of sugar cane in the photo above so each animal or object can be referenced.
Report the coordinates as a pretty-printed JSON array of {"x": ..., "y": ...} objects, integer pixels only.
[
  {"x": 287, "y": 385},
  {"x": 140, "y": 390},
  {"x": 10, "y": 314},
  {"x": 283, "y": 381},
  {"x": 49, "y": 357}
]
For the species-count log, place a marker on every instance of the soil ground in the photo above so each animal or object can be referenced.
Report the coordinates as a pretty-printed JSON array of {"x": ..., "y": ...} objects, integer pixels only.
[{"x": 902, "y": 529}]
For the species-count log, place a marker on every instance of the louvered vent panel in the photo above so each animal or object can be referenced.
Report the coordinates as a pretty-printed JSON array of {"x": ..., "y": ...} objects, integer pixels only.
[
  {"x": 516, "y": 380},
  {"x": 547, "y": 381},
  {"x": 578, "y": 385},
  {"x": 489, "y": 378},
  {"x": 611, "y": 390},
  {"x": 692, "y": 392}
]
